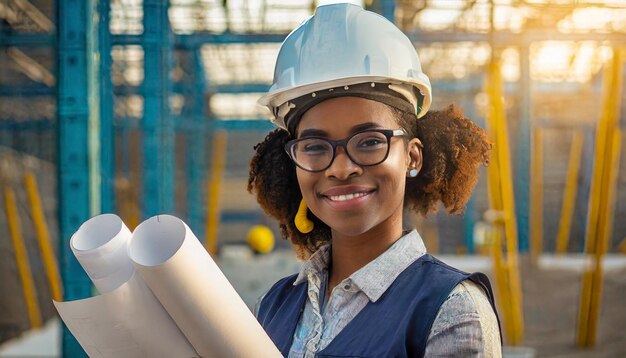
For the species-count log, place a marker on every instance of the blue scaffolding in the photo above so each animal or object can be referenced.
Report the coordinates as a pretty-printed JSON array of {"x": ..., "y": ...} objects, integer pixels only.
[{"x": 75, "y": 36}]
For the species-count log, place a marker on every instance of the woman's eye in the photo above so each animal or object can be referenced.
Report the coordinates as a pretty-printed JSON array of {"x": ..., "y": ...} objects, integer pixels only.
[
  {"x": 370, "y": 142},
  {"x": 314, "y": 148}
]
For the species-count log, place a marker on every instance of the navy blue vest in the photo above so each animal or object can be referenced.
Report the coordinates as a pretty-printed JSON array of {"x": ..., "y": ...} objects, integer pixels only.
[{"x": 397, "y": 325}]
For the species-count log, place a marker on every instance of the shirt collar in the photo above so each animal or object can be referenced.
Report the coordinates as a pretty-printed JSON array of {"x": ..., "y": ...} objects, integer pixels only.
[
  {"x": 375, "y": 277},
  {"x": 316, "y": 264}
]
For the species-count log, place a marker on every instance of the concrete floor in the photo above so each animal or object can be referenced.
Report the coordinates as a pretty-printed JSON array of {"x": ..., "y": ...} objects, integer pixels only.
[{"x": 44, "y": 342}]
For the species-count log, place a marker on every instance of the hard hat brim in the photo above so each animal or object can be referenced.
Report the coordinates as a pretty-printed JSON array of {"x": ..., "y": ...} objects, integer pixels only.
[{"x": 275, "y": 98}]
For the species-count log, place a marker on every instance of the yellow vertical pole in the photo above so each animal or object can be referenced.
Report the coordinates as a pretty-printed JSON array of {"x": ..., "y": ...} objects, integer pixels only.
[
  {"x": 501, "y": 277},
  {"x": 127, "y": 184},
  {"x": 214, "y": 189},
  {"x": 569, "y": 193},
  {"x": 132, "y": 202},
  {"x": 510, "y": 226},
  {"x": 495, "y": 200},
  {"x": 501, "y": 198},
  {"x": 43, "y": 238},
  {"x": 21, "y": 258},
  {"x": 127, "y": 208},
  {"x": 536, "y": 195},
  {"x": 596, "y": 277},
  {"x": 601, "y": 201}
]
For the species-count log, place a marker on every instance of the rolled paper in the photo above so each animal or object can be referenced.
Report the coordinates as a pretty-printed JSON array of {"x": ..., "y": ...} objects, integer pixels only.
[
  {"x": 195, "y": 292},
  {"x": 101, "y": 247},
  {"x": 127, "y": 322}
]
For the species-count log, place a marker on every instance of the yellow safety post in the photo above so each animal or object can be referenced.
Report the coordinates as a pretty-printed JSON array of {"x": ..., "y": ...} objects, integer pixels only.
[
  {"x": 622, "y": 245},
  {"x": 135, "y": 180},
  {"x": 214, "y": 189},
  {"x": 569, "y": 193},
  {"x": 21, "y": 258},
  {"x": 500, "y": 274},
  {"x": 601, "y": 201},
  {"x": 127, "y": 207},
  {"x": 536, "y": 195},
  {"x": 501, "y": 200},
  {"x": 127, "y": 185},
  {"x": 43, "y": 238}
]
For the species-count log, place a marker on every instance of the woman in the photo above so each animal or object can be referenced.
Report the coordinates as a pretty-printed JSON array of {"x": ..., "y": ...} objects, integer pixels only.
[{"x": 354, "y": 148}]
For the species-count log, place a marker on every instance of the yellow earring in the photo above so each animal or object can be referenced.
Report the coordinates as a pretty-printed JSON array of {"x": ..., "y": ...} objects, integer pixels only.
[{"x": 303, "y": 224}]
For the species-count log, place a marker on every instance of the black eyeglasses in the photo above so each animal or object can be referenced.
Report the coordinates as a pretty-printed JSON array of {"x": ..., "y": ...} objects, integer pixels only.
[{"x": 366, "y": 148}]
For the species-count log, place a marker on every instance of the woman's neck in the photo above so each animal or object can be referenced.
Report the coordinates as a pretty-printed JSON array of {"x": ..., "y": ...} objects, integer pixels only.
[{"x": 350, "y": 253}]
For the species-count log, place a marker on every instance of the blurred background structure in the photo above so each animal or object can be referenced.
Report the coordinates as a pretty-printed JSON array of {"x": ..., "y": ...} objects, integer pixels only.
[{"x": 139, "y": 107}]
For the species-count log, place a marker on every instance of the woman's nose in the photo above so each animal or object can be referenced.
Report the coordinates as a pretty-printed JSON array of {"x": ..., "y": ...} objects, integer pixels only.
[{"x": 342, "y": 166}]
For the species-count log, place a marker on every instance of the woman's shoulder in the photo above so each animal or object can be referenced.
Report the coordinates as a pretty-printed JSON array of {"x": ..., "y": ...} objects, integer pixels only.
[
  {"x": 466, "y": 323},
  {"x": 467, "y": 298}
]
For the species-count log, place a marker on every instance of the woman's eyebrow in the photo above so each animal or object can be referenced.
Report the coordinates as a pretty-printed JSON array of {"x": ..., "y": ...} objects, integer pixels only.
[
  {"x": 312, "y": 132},
  {"x": 364, "y": 126}
]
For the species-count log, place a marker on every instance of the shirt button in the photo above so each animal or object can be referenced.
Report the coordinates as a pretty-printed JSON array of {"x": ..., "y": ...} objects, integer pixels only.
[{"x": 347, "y": 286}]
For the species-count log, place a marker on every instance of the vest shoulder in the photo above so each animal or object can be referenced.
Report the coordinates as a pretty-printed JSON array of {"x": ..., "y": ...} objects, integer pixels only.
[
  {"x": 430, "y": 276},
  {"x": 430, "y": 265},
  {"x": 477, "y": 277}
]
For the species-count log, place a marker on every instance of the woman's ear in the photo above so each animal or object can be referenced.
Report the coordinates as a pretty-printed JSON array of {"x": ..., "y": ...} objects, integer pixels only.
[{"x": 415, "y": 155}]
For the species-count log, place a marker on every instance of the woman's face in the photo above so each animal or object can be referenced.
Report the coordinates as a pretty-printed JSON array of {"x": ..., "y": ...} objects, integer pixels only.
[{"x": 349, "y": 198}]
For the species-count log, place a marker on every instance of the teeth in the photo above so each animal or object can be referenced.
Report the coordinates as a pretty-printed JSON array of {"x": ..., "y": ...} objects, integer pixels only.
[{"x": 346, "y": 197}]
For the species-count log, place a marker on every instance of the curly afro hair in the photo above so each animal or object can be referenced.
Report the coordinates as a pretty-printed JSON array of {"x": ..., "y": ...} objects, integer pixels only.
[{"x": 454, "y": 149}]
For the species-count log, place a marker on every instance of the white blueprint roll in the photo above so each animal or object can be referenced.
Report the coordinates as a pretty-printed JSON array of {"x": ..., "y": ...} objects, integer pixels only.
[
  {"x": 101, "y": 247},
  {"x": 195, "y": 292},
  {"x": 127, "y": 322}
]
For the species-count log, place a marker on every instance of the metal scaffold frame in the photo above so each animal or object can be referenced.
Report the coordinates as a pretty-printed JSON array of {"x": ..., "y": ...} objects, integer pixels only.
[
  {"x": 74, "y": 37},
  {"x": 105, "y": 95},
  {"x": 157, "y": 123},
  {"x": 196, "y": 145}
]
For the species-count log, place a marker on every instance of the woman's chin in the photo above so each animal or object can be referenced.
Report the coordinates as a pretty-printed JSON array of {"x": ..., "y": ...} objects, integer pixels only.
[{"x": 350, "y": 229}]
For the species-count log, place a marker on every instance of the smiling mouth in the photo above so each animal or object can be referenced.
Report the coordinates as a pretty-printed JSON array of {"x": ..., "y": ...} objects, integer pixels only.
[{"x": 347, "y": 197}]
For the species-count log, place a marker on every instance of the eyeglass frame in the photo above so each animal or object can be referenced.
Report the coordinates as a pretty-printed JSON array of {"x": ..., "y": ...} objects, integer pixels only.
[{"x": 388, "y": 133}]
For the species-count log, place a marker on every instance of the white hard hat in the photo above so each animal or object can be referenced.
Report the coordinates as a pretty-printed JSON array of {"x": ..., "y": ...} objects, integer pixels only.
[{"x": 343, "y": 45}]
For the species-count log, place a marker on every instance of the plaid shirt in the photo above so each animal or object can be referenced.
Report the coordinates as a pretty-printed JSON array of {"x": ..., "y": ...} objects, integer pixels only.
[{"x": 465, "y": 325}]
